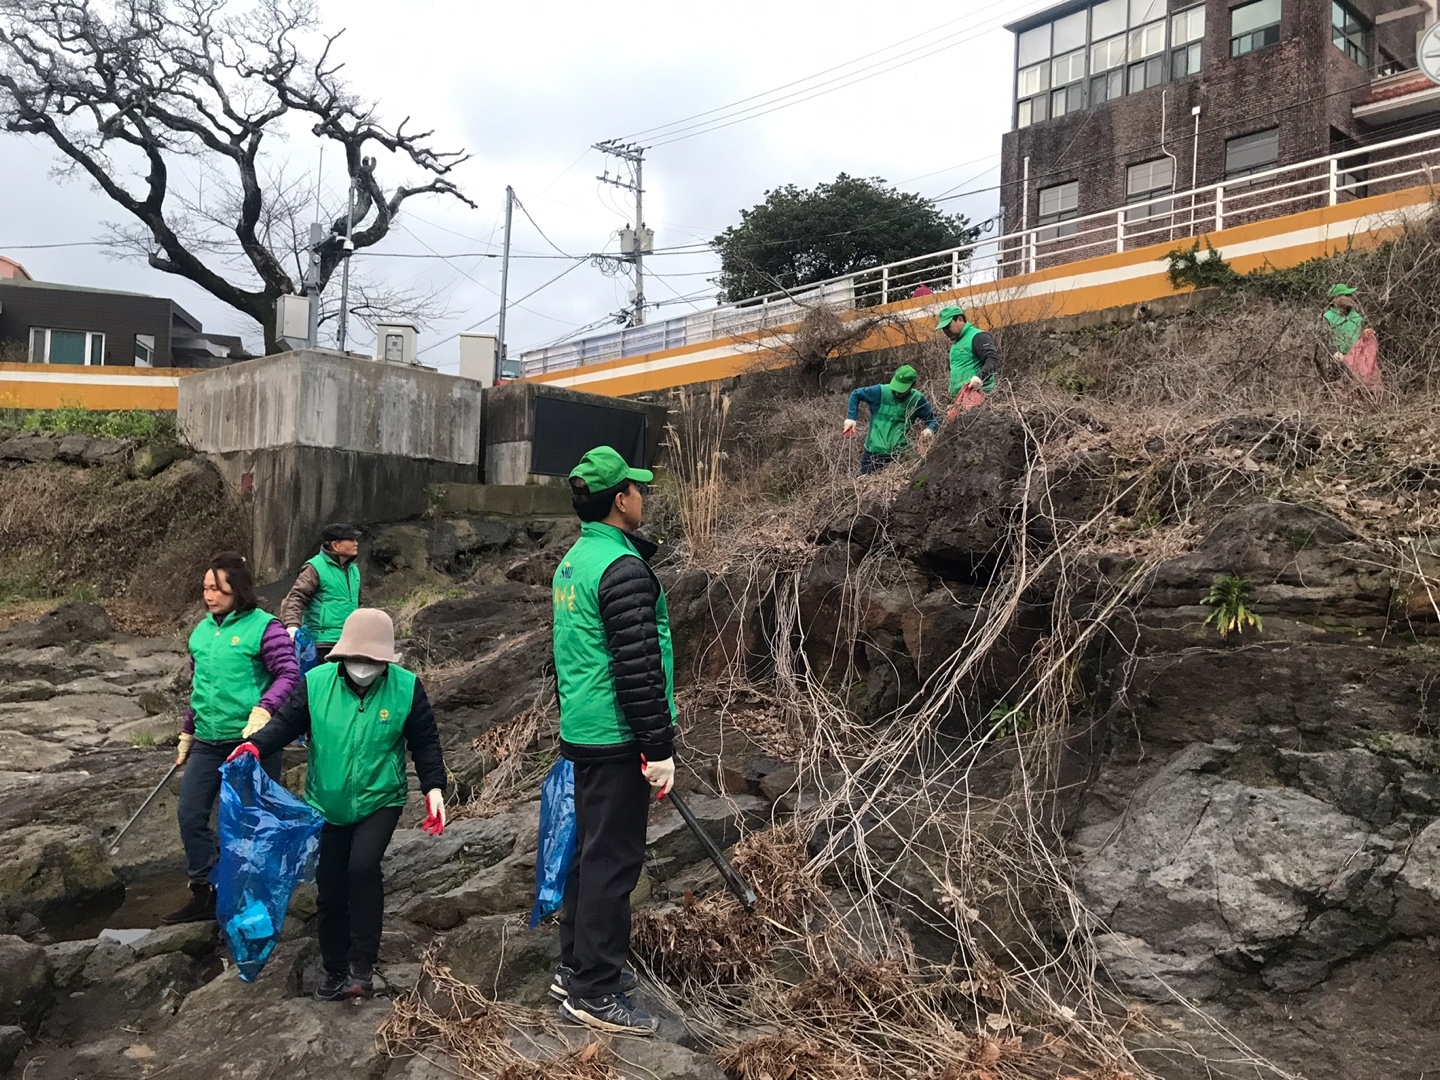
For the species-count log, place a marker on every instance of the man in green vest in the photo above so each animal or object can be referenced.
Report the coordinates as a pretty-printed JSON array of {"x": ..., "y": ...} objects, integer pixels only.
[
  {"x": 894, "y": 408},
  {"x": 974, "y": 360},
  {"x": 616, "y": 677},
  {"x": 327, "y": 589}
]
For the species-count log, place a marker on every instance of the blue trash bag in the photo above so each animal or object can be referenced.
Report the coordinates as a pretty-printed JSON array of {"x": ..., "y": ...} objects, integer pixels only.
[
  {"x": 305, "y": 654},
  {"x": 557, "y": 840},
  {"x": 269, "y": 843}
]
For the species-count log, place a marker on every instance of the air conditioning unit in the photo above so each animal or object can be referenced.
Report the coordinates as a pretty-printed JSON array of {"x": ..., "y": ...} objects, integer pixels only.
[{"x": 395, "y": 343}]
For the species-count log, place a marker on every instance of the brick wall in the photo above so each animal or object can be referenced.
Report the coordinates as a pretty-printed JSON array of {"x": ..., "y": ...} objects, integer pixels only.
[{"x": 1304, "y": 86}]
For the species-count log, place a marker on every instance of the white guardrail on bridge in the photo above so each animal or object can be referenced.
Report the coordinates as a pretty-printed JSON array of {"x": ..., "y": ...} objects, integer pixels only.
[{"x": 1326, "y": 181}]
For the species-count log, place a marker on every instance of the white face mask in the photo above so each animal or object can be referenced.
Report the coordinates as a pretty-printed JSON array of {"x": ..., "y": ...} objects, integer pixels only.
[{"x": 363, "y": 672}]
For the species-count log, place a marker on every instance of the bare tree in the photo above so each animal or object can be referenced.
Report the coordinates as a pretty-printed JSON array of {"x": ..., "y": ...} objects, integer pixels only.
[{"x": 138, "y": 93}]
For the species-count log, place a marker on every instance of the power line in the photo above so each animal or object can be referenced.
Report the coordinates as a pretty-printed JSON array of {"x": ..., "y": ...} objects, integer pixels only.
[{"x": 513, "y": 303}]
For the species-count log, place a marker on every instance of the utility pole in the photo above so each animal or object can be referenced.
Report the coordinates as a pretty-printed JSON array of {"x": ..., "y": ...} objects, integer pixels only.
[
  {"x": 635, "y": 243},
  {"x": 312, "y": 287},
  {"x": 504, "y": 282},
  {"x": 345, "y": 266}
]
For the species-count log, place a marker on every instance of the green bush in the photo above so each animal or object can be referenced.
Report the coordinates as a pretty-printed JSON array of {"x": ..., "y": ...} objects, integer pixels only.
[{"x": 77, "y": 420}]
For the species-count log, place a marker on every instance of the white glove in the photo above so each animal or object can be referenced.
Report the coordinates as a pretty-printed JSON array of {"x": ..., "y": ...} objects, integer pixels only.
[
  {"x": 187, "y": 743},
  {"x": 291, "y": 631},
  {"x": 661, "y": 775},
  {"x": 258, "y": 719},
  {"x": 975, "y": 382},
  {"x": 849, "y": 427},
  {"x": 926, "y": 433}
]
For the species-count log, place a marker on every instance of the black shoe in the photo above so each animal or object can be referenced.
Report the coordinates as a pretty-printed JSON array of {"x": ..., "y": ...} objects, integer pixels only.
[
  {"x": 360, "y": 981},
  {"x": 560, "y": 982},
  {"x": 199, "y": 908},
  {"x": 614, "y": 1013},
  {"x": 334, "y": 987}
]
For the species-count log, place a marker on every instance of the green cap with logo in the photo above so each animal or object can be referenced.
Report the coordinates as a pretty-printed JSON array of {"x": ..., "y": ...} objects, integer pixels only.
[
  {"x": 949, "y": 315},
  {"x": 1341, "y": 290},
  {"x": 903, "y": 379},
  {"x": 603, "y": 468}
]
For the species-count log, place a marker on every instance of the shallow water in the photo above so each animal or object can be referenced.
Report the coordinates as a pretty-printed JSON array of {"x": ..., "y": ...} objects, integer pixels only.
[{"x": 141, "y": 908}]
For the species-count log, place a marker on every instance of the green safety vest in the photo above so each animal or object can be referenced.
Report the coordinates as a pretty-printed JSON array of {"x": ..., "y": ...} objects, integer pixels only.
[
  {"x": 963, "y": 365},
  {"x": 230, "y": 673},
  {"x": 357, "y": 744},
  {"x": 890, "y": 424},
  {"x": 338, "y": 596},
  {"x": 590, "y": 714},
  {"x": 1344, "y": 329}
]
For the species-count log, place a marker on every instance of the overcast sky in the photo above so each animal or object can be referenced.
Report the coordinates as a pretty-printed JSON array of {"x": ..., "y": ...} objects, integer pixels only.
[{"x": 527, "y": 88}]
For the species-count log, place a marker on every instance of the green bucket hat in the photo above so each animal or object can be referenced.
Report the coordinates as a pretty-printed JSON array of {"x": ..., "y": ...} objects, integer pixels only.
[
  {"x": 949, "y": 315},
  {"x": 603, "y": 468},
  {"x": 1341, "y": 290},
  {"x": 903, "y": 379}
]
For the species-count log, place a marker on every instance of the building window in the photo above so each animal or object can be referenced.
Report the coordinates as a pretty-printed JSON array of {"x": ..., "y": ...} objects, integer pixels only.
[
  {"x": 1067, "y": 77},
  {"x": 1350, "y": 34},
  {"x": 1254, "y": 26},
  {"x": 1059, "y": 203},
  {"x": 66, "y": 347},
  {"x": 1252, "y": 153},
  {"x": 144, "y": 350},
  {"x": 1143, "y": 183},
  {"x": 1187, "y": 36}
]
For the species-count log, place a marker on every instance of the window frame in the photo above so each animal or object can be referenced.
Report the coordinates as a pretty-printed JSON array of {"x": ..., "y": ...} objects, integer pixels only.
[
  {"x": 1143, "y": 203},
  {"x": 1343, "y": 37},
  {"x": 1233, "y": 177},
  {"x": 147, "y": 343},
  {"x": 94, "y": 345},
  {"x": 1053, "y": 226},
  {"x": 1260, "y": 37}
]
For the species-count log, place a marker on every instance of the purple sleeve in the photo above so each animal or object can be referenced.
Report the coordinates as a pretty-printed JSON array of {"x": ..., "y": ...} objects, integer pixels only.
[
  {"x": 278, "y": 653},
  {"x": 188, "y": 727}
]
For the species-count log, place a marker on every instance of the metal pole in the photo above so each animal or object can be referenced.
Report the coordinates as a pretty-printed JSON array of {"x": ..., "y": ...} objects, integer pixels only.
[
  {"x": 742, "y": 891},
  {"x": 1194, "y": 167},
  {"x": 312, "y": 287},
  {"x": 504, "y": 285},
  {"x": 345, "y": 268},
  {"x": 115, "y": 844},
  {"x": 639, "y": 319}
]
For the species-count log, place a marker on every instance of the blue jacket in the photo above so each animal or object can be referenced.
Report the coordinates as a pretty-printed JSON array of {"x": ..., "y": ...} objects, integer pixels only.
[{"x": 870, "y": 395}]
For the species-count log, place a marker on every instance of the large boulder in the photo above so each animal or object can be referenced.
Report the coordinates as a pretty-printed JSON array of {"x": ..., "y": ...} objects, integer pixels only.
[
  {"x": 500, "y": 954},
  {"x": 49, "y": 867},
  {"x": 73, "y": 623},
  {"x": 138, "y": 996},
  {"x": 24, "y": 981}
]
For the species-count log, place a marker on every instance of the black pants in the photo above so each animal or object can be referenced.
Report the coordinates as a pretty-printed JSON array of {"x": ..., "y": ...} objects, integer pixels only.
[
  {"x": 612, "y": 807},
  {"x": 351, "y": 902},
  {"x": 873, "y": 463},
  {"x": 199, "y": 788}
]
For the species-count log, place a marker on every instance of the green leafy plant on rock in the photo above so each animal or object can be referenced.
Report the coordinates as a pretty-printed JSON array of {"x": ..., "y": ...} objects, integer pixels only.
[
  {"x": 1006, "y": 720},
  {"x": 1230, "y": 597}
]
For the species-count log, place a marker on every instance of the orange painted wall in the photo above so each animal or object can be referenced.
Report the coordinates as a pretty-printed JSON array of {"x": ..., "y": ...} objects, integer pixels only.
[{"x": 51, "y": 386}]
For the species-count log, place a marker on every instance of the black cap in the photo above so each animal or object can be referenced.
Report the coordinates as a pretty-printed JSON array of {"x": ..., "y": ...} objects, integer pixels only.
[{"x": 339, "y": 531}]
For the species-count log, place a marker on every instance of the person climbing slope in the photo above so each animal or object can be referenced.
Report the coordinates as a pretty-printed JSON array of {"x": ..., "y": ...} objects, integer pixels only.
[
  {"x": 360, "y": 713},
  {"x": 974, "y": 360},
  {"x": 327, "y": 589},
  {"x": 894, "y": 408},
  {"x": 1351, "y": 342},
  {"x": 243, "y": 668}
]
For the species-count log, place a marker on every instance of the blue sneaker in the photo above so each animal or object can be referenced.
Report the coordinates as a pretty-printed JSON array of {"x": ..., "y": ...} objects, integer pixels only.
[{"x": 614, "y": 1013}]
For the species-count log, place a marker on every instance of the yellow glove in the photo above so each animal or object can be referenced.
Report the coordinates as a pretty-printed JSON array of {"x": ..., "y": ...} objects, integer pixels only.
[
  {"x": 258, "y": 719},
  {"x": 186, "y": 743}
]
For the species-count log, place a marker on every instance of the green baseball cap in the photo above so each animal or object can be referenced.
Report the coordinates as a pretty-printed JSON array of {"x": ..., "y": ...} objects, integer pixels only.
[
  {"x": 903, "y": 379},
  {"x": 603, "y": 468},
  {"x": 949, "y": 315},
  {"x": 1341, "y": 290}
]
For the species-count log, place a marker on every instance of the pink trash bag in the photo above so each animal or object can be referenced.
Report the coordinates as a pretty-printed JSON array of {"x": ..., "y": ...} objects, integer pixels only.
[{"x": 1363, "y": 360}]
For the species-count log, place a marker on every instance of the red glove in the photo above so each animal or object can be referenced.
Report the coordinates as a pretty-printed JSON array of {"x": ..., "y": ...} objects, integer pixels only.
[
  {"x": 243, "y": 748},
  {"x": 434, "y": 822}
]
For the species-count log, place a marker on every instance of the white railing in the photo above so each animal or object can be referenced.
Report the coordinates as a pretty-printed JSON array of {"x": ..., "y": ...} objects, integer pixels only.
[{"x": 1325, "y": 181}]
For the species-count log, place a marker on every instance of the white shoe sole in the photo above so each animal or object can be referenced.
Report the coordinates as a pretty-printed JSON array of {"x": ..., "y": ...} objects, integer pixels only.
[{"x": 596, "y": 1024}]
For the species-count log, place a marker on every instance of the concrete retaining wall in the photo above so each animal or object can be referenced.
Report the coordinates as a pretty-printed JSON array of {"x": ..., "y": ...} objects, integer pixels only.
[{"x": 320, "y": 398}]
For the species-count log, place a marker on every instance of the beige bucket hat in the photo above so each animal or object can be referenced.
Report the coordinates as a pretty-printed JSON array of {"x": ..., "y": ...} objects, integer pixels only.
[{"x": 368, "y": 635}]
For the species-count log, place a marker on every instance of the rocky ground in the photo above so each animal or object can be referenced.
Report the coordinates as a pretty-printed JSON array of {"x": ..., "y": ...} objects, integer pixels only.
[{"x": 1256, "y": 820}]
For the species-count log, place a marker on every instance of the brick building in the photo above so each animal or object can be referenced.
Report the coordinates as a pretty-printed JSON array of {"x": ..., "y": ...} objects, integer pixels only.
[{"x": 1122, "y": 103}]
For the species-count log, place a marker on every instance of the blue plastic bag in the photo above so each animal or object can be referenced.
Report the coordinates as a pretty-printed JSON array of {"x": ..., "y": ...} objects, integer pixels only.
[
  {"x": 269, "y": 843},
  {"x": 305, "y": 654},
  {"x": 557, "y": 840}
]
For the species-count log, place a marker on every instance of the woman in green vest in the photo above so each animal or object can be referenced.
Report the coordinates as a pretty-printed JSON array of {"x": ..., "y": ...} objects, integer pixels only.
[
  {"x": 327, "y": 589},
  {"x": 360, "y": 714},
  {"x": 894, "y": 408},
  {"x": 242, "y": 669},
  {"x": 974, "y": 360}
]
